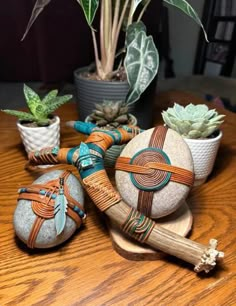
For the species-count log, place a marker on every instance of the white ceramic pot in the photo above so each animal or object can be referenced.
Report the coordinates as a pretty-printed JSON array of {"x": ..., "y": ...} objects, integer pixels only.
[
  {"x": 37, "y": 138},
  {"x": 204, "y": 153}
]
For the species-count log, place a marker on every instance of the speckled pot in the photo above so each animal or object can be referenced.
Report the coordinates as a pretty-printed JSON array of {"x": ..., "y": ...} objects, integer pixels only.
[
  {"x": 204, "y": 153},
  {"x": 37, "y": 138}
]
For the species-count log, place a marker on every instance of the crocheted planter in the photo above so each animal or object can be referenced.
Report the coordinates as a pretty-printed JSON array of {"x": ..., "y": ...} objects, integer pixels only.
[
  {"x": 37, "y": 138},
  {"x": 155, "y": 193},
  {"x": 36, "y": 215}
]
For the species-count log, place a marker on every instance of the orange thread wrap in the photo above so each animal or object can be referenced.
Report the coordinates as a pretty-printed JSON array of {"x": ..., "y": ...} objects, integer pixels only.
[
  {"x": 100, "y": 190},
  {"x": 179, "y": 175}
]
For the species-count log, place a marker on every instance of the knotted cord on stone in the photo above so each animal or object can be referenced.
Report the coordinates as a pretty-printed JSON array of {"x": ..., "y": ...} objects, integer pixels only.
[
  {"x": 138, "y": 225},
  {"x": 43, "y": 200},
  {"x": 178, "y": 175}
]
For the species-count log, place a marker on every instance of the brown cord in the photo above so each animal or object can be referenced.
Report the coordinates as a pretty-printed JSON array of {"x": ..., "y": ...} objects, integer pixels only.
[
  {"x": 102, "y": 140},
  {"x": 179, "y": 175},
  {"x": 156, "y": 141},
  {"x": 44, "y": 157}
]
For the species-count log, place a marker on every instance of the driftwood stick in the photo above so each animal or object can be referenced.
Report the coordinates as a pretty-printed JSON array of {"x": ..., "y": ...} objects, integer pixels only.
[{"x": 203, "y": 257}]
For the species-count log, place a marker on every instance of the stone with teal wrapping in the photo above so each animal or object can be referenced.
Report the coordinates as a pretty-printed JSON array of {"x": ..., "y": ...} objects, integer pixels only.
[{"x": 168, "y": 195}]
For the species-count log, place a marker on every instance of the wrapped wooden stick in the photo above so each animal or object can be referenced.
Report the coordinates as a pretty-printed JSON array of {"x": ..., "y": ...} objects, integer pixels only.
[
  {"x": 145, "y": 230},
  {"x": 203, "y": 257}
]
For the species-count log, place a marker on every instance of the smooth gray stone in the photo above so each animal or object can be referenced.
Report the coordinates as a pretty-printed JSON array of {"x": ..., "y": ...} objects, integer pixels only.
[{"x": 24, "y": 216}]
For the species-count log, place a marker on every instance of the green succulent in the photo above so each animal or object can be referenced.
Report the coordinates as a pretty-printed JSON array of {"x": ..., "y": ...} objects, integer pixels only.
[
  {"x": 110, "y": 114},
  {"x": 192, "y": 121},
  {"x": 40, "y": 110}
]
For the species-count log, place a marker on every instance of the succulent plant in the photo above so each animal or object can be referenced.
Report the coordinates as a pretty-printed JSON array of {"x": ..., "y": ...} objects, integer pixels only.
[
  {"x": 110, "y": 114},
  {"x": 192, "y": 121},
  {"x": 40, "y": 110}
]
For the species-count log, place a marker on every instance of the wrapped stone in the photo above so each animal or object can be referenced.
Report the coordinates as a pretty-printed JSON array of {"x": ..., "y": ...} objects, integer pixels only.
[
  {"x": 169, "y": 148},
  {"x": 28, "y": 213}
]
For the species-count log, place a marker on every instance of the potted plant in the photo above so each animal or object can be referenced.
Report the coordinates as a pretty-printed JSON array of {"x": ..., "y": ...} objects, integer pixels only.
[
  {"x": 39, "y": 128},
  {"x": 199, "y": 127},
  {"x": 139, "y": 59}
]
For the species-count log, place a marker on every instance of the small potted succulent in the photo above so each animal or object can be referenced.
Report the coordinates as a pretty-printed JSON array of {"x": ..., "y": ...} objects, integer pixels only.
[
  {"x": 111, "y": 115},
  {"x": 120, "y": 73},
  {"x": 38, "y": 127},
  {"x": 199, "y": 127}
]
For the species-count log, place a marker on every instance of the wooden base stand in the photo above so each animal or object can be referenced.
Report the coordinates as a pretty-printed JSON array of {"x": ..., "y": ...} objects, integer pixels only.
[{"x": 180, "y": 222}]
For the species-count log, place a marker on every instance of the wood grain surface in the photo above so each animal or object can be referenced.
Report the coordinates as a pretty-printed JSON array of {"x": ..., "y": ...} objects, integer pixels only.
[{"x": 86, "y": 270}]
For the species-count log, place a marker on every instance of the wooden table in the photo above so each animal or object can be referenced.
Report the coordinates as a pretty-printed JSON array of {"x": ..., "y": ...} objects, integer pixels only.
[{"x": 86, "y": 270}]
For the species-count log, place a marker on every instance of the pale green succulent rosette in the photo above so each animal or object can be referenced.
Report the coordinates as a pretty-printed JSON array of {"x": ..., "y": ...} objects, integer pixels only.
[{"x": 192, "y": 121}]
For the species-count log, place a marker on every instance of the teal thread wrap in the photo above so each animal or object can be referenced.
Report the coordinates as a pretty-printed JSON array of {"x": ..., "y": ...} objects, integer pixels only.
[
  {"x": 84, "y": 127},
  {"x": 70, "y": 154}
]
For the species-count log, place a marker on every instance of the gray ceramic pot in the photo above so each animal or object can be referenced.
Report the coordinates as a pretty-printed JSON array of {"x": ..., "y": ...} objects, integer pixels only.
[{"x": 90, "y": 92}]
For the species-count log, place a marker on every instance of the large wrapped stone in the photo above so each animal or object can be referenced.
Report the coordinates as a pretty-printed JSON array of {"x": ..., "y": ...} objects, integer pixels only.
[{"x": 173, "y": 195}]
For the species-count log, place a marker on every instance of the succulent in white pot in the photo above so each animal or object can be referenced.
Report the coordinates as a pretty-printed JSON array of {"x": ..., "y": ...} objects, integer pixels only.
[
  {"x": 199, "y": 126},
  {"x": 39, "y": 128}
]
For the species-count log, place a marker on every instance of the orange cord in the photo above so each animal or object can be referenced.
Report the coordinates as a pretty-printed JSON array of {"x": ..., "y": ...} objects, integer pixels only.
[
  {"x": 179, "y": 175},
  {"x": 100, "y": 190}
]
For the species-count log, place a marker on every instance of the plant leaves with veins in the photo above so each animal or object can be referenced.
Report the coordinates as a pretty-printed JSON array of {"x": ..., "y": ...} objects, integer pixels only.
[
  {"x": 21, "y": 115},
  {"x": 52, "y": 94},
  {"x": 89, "y": 7},
  {"x": 38, "y": 8},
  {"x": 141, "y": 65},
  {"x": 184, "y": 6},
  {"x": 54, "y": 104},
  {"x": 32, "y": 99},
  {"x": 133, "y": 31}
]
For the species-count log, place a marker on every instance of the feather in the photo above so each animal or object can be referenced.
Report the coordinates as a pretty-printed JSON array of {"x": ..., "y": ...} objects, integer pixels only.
[{"x": 60, "y": 209}]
